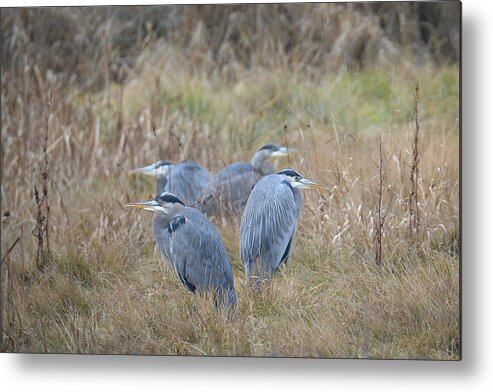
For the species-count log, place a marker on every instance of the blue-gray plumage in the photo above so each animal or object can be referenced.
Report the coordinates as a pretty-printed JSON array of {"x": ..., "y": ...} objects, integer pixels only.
[
  {"x": 230, "y": 188},
  {"x": 269, "y": 222},
  {"x": 185, "y": 179},
  {"x": 191, "y": 244}
]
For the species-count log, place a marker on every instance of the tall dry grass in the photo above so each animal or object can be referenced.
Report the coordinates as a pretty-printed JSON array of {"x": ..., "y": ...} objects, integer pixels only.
[{"x": 104, "y": 289}]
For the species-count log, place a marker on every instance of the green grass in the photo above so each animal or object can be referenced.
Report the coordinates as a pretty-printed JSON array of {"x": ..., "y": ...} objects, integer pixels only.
[{"x": 267, "y": 102}]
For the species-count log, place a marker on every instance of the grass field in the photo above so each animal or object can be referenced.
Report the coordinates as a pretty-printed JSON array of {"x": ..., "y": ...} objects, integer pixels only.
[{"x": 102, "y": 288}]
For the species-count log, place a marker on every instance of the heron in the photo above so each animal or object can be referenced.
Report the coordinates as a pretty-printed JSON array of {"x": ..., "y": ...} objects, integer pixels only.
[
  {"x": 230, "y": 188},
  {"x": 185, "y": 179},
  {"x": 189, "y": 242},
  {"x": 269, "y": 221}
]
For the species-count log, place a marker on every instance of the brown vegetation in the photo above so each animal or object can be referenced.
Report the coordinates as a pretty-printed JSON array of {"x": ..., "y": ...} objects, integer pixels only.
[{"x": 96, "y": 46}]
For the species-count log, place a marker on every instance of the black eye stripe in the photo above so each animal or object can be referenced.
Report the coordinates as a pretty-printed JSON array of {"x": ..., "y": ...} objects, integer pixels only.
[
  {"x": 161, "y": 163},
  {"x": 270, "y": 146},
  {"x": 167, "y": 197},
  {"x": 290, "y": 173}
]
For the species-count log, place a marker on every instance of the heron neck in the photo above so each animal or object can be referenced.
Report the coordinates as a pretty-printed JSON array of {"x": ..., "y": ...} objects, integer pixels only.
[
  {"x": 161, "y": 181},
  {"x": 163, "y": 219},
  {"x": 175, "y": 210},
  {"x": 164, "y": 178},
  {"x": 267, "y": 168},
  {"x": 298, "y": 200},
  {"x": 258, "y": 160}
]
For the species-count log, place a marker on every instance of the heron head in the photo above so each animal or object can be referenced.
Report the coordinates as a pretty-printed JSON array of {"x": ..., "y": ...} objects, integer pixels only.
[
  {"x": 159, "y": 168},
  {"x": 164, "y": 203},
  {"x": 298, "y": 181},
  {"x": 275, "y": 150}
]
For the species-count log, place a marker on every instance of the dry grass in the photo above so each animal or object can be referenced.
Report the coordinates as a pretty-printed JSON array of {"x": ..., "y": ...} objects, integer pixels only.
[
  {"x": 104, "y": 288},
  {"x": 97, "y": 45}
]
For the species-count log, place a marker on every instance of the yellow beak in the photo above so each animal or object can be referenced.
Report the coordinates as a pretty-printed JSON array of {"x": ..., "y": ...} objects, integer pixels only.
[
  {"x": 146, "y": 205},
  {"x": 307, "y": 184}
]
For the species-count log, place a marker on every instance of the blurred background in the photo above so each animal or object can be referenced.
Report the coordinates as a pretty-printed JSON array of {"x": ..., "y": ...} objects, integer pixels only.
[{"x": 99, "y": 45}]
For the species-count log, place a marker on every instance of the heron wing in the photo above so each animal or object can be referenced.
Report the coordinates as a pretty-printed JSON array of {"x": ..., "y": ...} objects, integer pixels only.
[
  {"x": 229, "y": 189},
  {"x": 233, "y": 169},
  {"x": 186, "y": 180},
  {"x": 161, "y": 184},
  {"x": 268, "y": 223},
  {"x": 199, "y": 256},
  {"x": 183, "y": 275}
]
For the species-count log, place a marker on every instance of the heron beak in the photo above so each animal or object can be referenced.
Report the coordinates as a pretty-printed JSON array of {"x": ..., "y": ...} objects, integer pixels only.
[
  {"x": 150, "y": 170},
  {"x": 307, "y": 184},
  {"x": 283, "y": 151},
  {"x": 150, "y": 205}
]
